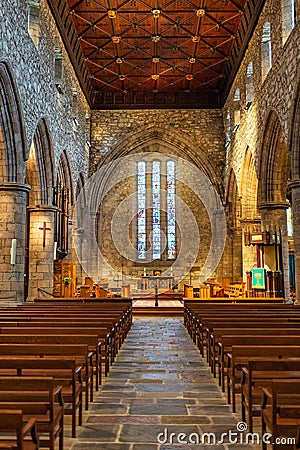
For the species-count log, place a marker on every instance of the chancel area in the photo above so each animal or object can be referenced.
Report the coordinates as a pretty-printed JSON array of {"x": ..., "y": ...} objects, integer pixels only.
[{"x": 149, "y": 202}]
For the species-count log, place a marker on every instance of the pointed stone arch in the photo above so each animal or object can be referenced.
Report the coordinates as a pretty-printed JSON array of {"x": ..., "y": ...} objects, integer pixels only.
[
  {"x": 64, "y": 200},
  {"x": 274, "y": 174},
  {"x": 232, "y": 200},
  {"x": 249, "y": 186},
  {"x": 166, "y": 139},
  {"x": 12, "y": 130},
  {"x": 294, "y": 146},
  {"x": 39, "y": 167},
  {"x": 233, "y": 213},
  {"x": 274, "y": 163},
  {"x": 295, "y": 137}
]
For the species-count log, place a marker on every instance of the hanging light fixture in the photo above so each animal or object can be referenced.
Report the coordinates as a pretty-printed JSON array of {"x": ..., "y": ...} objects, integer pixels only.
[
  {"x": 200, "y": 12},
  {"x": 156, "y": 12},
  {"x": 112, "y": 13},
  {"x": 116, "y": 39},
  {"x": 155, "y": 37}
]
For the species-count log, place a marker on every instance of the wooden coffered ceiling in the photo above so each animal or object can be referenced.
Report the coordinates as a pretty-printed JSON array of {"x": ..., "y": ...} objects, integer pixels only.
[{"x": 156, "y": 53}]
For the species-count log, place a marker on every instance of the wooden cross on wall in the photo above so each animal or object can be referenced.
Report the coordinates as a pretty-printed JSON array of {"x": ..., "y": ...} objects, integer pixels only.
[{"x": 44, "y": 229}]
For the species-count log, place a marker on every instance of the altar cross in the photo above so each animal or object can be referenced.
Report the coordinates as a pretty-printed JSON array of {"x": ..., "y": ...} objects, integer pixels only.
[{"x": 44, "y": 229}]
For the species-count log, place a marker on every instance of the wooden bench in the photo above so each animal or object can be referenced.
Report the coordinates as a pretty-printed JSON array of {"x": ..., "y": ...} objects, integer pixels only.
[
  {"x": 65, "y": 372},
  {"x": 257, "y": 329},
  {"x": 65, "y": 335},
  {"x": 239, "y": 356},
  {"x": 39, "y": 398},
  {"x": 228, "y": 341},
  {"x": 207, "y": 326},
  {"x": 280, "y": 411},
  {"x": 259, "y": 374},
  {"x": 29, "y": 346},
  {"x": 12, "y": 422}
]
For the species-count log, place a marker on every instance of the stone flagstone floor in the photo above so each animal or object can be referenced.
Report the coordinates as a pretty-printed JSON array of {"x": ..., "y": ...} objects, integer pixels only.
[{"x": 158, "y": 385}]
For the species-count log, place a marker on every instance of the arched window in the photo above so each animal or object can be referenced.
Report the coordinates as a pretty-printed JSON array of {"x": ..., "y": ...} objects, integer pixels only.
[
  {"x": 266, "y": 56},
  {"x": 237, "y": 110},
  {"x": 288, "y": 18},
  {"x": 75, "y": 108},
  {"x": 171, "y": 212},
  {"x": 142, "y": 208},
  {"x": 289, "y": 222},
  {"x": 58, "y": 68},
  {"x": 249, "y": 85},
  {"x": 227, "y": 129},
  {"x": 157, "y": 214},
  {"x": 33, "y": 16}
]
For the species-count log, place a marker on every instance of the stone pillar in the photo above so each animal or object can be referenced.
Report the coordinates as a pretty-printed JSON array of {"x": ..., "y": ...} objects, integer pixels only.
[
  {"x": 12, "y": 226},
  {"x": 294, "y": 185},
  {"x": 41, "y": 249},
  {"x": 273, "y": 216}
]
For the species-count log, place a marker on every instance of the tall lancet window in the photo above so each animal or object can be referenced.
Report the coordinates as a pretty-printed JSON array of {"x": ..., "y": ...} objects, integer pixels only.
[
  {"x": 142, "y": 237},
  {"x": 156, "y": 243},
  {"x": 156, "y": 188},
  {"x": 289, "y": 221},
  {"x": 171, "y": 218},
  {"x": 288, "y": 9}
]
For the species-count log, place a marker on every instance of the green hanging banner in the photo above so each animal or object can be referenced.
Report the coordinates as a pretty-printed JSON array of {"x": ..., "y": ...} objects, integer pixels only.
[{"x": 258, "y": 278}]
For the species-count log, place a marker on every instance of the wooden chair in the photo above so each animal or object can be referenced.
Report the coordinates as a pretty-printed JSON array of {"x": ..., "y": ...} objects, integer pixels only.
[
  {"x": 39, "y": 398},
  {"x": 280, "y": 412},
  {"x": 65, "y": 371},
  {"x": 12, "y": 422},
  {"x": 258, "y": 374}
]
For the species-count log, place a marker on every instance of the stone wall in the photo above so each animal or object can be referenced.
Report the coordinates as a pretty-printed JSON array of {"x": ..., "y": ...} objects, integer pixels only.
[
  {"x": 275, "y": 95},
  {"x": 32, "y": 73},
  {"x": 194, "y": 135}
]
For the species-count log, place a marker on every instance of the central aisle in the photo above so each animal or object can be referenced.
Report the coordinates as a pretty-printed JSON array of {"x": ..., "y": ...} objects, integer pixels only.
[{"x": 158, "y": 385}]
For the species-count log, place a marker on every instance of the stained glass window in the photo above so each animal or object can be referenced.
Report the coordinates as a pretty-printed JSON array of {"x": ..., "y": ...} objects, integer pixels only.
[
  {"x": 149, "y": 175},
  {"x": 289, "y": 220},
  {"x": 141, "y": 168},
  {"x": 156, "y": 243},
  {"x": 171, "y": 222}
]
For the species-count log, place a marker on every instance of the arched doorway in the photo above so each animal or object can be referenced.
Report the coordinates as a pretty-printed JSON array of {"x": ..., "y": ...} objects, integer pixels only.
[
  {"x": 274, "y": 173},
  {"x": 13, "y": 189},
  {"x": 40, "y": 214}
]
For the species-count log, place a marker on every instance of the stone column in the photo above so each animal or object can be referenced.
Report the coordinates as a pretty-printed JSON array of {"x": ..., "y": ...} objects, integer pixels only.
[
  {"x": 295, "y": 188},
  {"x": 41, "y": 249},
  {"x": 12, "y": 226},
  {"x": 273, "y": 216}
]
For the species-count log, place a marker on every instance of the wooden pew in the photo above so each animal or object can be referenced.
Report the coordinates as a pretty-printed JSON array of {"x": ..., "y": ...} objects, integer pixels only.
[
  {"x": 89, "y": 336},
  {"x": 257, "y": 329},
  {"x": 65, "y": 372},
  {"x": 228, "y": 341},
  {"x": 107, "y": 335},
  {"x": 12, "y": 422},
  {"x": 258, "y": 374},
  {"x": 280, "y": 412},
  {"x": 206, "y": 325},
  {"x": 29, "y": 346},
  {"x": 239, "y": 356},
  {"x": 40, "y": 398}
]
